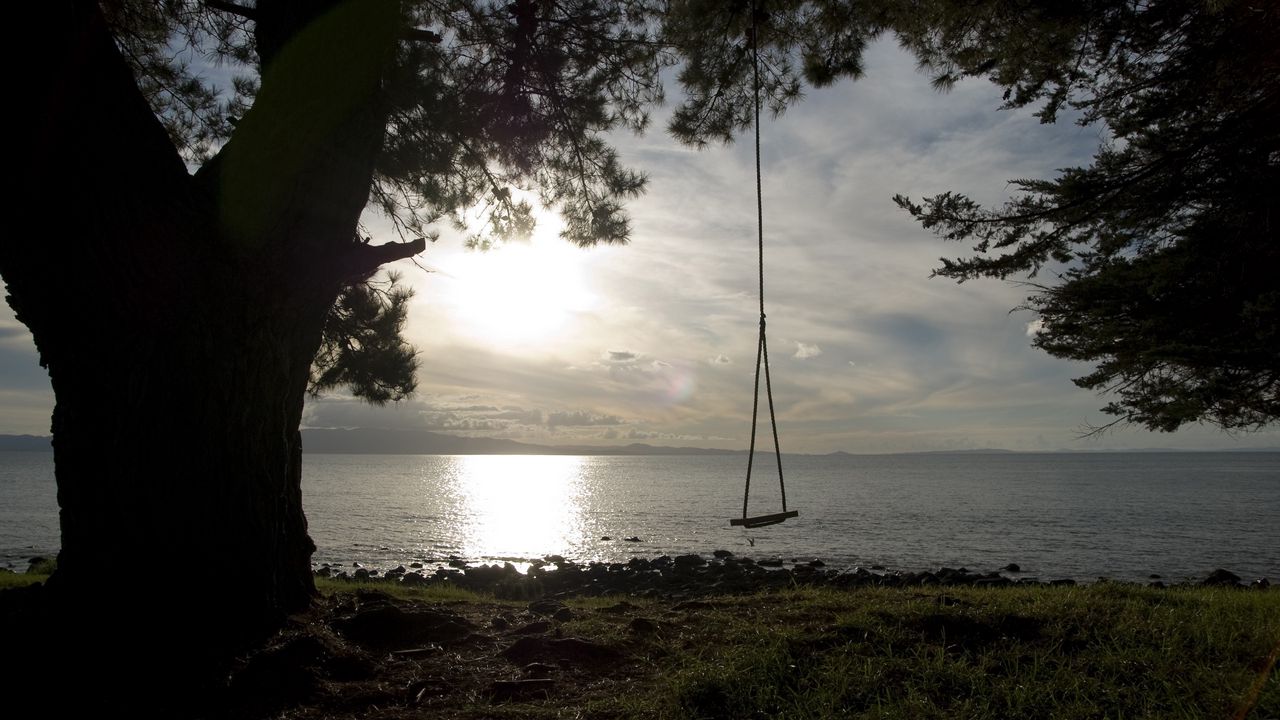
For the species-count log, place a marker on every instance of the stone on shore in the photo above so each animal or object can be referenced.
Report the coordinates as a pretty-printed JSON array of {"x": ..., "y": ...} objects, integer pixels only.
[{"x": 1221, "y": 577}]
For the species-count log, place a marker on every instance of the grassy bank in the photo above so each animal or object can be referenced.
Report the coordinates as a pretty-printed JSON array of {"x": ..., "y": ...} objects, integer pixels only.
[{"x": 1099, "y": 651}]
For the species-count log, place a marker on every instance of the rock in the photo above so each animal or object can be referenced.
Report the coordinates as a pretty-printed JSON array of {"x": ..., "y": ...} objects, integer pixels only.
[
  {"x": 633, "y": 538},
  {"x": 1060, "y": 582},
  {"x": 361, "y": 574},
  {"x": 1221, "y": 577},
  {"x": 992, "y": 582},
  {"x": 642, "y": 626},
  {"x": 881, "y": 567},
  {"x": 412, "y": 579},
  {"x": 770, "y": 562},
  {"x": 1154, "y": 576},
  {"x": 605, "y": 537},
  {"x": 816, "y": 563},
  {"x": 1012, "y": 567},
  {"x": 416, "y": 565},
  {"x": 356, "y": 565},
  {"x": 324, "y": 572},
  {"x": 457, "y": 563},
  {"x": 688, "y": 561},
  {"x": 563, "y": 615},
  {"x": 1260, "y": 584},
  {"x": 722, "y": 554}
]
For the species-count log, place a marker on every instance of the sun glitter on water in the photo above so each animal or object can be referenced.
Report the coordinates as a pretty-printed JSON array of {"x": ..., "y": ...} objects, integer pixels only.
[{"x": 517, "y": 505}]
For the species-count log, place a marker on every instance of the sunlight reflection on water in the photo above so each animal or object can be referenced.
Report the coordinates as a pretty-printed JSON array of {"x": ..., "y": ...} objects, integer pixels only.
[{"x": 514, "y": 506}]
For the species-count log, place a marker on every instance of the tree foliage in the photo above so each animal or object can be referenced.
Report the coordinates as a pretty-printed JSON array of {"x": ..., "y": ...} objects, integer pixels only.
[
  {"x": 1163, "y": 249},
  {"x": 362, "y": 347}
]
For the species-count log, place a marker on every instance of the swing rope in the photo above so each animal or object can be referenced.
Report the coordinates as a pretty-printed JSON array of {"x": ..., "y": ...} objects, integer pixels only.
[{"x": 762, "y": 348}]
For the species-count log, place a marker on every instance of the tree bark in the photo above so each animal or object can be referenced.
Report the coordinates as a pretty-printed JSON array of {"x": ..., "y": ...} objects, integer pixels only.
[{"x": 178, "y": 329}]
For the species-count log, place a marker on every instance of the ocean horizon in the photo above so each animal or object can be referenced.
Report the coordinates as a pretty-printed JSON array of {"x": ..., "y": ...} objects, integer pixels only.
[{"x": 1083, "y": 515}]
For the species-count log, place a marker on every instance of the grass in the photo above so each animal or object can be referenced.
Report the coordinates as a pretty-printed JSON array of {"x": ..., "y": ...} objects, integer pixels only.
[
  {"x": 1104, "y": 651},
  {"x": 1100, "y": 651},
  {"x": 15, "y": 580}
]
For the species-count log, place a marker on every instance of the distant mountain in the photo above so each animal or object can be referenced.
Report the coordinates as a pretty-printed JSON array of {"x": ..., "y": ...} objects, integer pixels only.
[
  {"x": 26, "y": 443},
  {"x": 973, "y": 451},
  {"x": 421, "y": 442}
]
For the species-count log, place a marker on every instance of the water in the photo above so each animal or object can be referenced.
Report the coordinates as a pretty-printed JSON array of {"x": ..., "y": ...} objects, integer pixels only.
[{"x": 1118, "y": 515}]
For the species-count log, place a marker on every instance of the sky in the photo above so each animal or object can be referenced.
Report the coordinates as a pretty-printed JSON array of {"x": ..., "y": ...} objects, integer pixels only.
[{"x": 655, "y": 341}]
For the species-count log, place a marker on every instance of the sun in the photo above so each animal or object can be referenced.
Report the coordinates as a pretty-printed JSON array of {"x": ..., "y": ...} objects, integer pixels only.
[{"x": 520, "y": 292}]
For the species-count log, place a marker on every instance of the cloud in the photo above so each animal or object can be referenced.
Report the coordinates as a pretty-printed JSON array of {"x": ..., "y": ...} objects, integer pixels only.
[
  {"x": 721, "y": 359},
  {"x": 580, "y": 419},
  {"x": 805, "y": 351},
  {"x": 621, "y": 356},
  {"x": 1034, "y": 327}
]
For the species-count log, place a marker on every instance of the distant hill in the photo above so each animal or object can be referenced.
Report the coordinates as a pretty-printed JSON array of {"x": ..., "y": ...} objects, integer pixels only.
[
  {"x": 358, "y": 441},
  {"x": 26, "y": 443},
  {"x": 422, "y": 442}
]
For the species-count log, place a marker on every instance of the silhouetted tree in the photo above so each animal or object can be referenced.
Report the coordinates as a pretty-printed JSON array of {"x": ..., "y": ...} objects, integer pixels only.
[
  {"x": 1163, "y": 251},
  {"x": 189, "y": 259}
]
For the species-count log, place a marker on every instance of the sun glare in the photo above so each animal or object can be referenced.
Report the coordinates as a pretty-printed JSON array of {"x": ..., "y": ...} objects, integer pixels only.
[
  {"x": 521, "y": 505},
  {"x": 519, "y": 292}
]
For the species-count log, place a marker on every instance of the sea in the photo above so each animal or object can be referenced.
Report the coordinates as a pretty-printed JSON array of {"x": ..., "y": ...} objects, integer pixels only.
[{"x": 1121, "y": 516}]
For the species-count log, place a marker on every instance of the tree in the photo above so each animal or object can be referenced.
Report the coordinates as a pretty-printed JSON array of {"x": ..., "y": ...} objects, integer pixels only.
[
  {"x": 1164, "y": 248},
  {"x": 190, "y": 263}
]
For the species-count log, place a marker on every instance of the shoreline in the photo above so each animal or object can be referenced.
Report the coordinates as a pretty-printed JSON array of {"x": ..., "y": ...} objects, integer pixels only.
[{"x": 720, "y": 573}]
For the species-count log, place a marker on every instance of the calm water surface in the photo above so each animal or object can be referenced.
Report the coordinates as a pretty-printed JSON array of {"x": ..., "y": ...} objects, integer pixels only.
[{"x": 1119, "y": 515}]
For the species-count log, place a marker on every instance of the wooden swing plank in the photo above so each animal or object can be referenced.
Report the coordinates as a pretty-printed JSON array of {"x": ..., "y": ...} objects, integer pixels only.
[{"x": 763, "y": 520}]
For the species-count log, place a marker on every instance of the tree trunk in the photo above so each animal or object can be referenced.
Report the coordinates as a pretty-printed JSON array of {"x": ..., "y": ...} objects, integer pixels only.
[
  {"x": 178, "y": 462},
  {"x": 178, "y": 328}
]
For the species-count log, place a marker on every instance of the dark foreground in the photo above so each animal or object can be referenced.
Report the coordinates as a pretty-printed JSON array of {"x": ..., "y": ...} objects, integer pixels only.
[{"x": 380, "y": 649}]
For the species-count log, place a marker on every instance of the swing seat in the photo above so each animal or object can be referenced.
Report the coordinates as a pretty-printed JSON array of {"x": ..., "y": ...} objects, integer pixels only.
[{"x": 764, "y": 520}]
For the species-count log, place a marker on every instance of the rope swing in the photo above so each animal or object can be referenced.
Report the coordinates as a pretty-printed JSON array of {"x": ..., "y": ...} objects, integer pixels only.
[{"x": 762, "y": 348}]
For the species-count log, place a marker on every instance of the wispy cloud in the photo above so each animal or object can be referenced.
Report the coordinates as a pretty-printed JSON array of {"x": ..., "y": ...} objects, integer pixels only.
[{"x": 807, "y": 350}]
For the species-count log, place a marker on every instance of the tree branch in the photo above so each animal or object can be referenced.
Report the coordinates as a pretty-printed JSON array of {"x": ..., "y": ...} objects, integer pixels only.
[
  {"x": 227, "y": 7},
  {"x": 362, "y": 260},
  {"x": 421, "y": 35}
]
